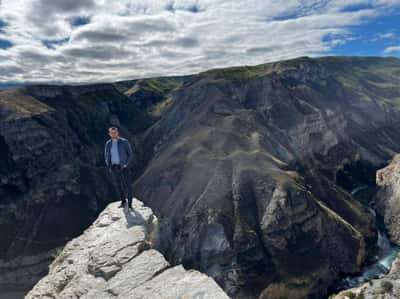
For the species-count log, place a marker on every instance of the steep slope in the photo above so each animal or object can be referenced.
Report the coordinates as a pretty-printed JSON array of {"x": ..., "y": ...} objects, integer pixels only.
[
  {"x": 113, "y": 258},
  {"x": 388, "y": 197},
  {"x": 153, "y": 95},
  {"x": 388, "y": 286},
  {"x": 245, "y": 165}
]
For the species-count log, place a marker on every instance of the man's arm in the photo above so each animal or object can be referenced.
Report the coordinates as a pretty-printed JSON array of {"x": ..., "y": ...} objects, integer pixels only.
[
  {"x": 129, "y": 152},
  {"x": 105, "y": 154}
]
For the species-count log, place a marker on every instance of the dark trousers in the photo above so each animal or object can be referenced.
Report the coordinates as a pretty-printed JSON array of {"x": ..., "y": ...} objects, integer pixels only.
[{"x": 121, "y": 182}]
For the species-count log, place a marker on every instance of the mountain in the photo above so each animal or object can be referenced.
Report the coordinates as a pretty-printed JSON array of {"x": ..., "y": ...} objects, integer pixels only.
[
  {"x": 114, "y": 258},
  {"x": 249, "y": 169},
  {"x": 10, "y": 85}
]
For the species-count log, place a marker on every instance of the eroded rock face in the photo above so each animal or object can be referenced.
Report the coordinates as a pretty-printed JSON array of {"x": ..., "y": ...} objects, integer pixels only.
[
  {"x": 18, "y": 275},
  {"x": 252, "y": 155},
  {"x": 388, "y": 197},
  {"x": 114, "y": 258},
  {"x": 387, "y": 203},
  {"x": 51, "y": 141}
]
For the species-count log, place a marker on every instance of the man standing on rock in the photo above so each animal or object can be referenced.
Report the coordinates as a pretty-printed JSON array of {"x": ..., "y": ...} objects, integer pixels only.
[{"x": 118, "y": 154}]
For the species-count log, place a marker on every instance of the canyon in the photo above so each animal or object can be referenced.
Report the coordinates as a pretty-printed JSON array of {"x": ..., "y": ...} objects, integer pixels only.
[{"x": 249, "y": 170}]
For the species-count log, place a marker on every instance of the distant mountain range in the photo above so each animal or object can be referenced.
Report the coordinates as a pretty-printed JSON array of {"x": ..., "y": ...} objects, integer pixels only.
[{"x": 8, "y": 86}]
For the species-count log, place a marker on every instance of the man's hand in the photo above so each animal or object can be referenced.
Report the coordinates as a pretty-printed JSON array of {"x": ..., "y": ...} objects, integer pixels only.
[{"x": 124, "y": 166}]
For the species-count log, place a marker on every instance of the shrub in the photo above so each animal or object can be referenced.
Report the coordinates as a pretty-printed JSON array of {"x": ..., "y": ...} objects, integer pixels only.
[{"x": 349, "y": 294}]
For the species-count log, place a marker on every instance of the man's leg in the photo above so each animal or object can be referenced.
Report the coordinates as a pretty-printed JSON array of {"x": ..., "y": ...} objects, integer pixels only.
[
  {"x": 121, "y": 185},
  {"x": 116, "y": 174},
  {"x": 128, "y": 186}
]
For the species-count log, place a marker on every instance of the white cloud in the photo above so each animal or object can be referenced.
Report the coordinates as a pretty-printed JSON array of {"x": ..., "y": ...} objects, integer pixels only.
[
  {"x": 131, "y": 38},
  {"x": 386, "y": 35},
  {"x": 392, "y": 49}
]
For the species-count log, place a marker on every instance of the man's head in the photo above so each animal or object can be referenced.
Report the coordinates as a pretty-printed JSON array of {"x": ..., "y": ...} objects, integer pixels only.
[{"x": 113, "y": 132}]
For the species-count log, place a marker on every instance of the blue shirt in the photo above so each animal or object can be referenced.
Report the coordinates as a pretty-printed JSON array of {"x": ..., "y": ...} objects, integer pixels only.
[{"x": 114, "y": 152}]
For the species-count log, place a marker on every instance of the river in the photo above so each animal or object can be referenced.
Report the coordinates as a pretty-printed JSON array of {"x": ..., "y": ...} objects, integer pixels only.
[{"x": 383, "y": 259}]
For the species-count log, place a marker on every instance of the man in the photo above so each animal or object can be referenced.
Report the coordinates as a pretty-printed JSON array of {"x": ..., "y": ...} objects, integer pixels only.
[{"x": 118, "y": 154}]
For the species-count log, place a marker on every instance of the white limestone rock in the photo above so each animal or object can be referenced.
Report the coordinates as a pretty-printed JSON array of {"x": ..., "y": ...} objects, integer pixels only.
[{"x": 113, "y": 258}]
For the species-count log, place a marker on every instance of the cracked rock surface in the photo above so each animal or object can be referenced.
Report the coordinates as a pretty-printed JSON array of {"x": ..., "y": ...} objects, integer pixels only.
[
  {"x": 114, "y": 258},
  {"x": 388, "y": 197}
]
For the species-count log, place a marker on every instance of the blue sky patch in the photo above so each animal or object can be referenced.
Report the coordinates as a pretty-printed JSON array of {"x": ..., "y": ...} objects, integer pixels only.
[
  {"x": 371, "y": 38},
  {"x": 2, "y": 25},
  {"x": 5, "y": 44},
  {"x": 80, "y": 21},
  {"x": 52, "y": 44},
  {"x": 193, "y": 8},
  {"x": 357, "y": 7}
]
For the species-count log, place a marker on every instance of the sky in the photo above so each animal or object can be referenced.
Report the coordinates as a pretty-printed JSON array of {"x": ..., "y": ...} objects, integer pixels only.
[{"x": 88, "y": 41}]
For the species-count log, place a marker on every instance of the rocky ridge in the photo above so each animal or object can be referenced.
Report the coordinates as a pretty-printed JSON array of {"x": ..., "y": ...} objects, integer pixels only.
[{"x": 114, "y": 258}]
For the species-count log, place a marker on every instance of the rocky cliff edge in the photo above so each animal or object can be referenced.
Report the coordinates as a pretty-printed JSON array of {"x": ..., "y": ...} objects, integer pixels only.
[
  {"x": 388, "y": 197},
  {"x": 113, "y": 258}
]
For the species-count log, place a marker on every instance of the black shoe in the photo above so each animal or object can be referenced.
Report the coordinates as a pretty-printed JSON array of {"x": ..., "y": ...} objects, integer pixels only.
[
  {"x": 121, "y": 205},
  {"x": 130, "y": 204}
]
